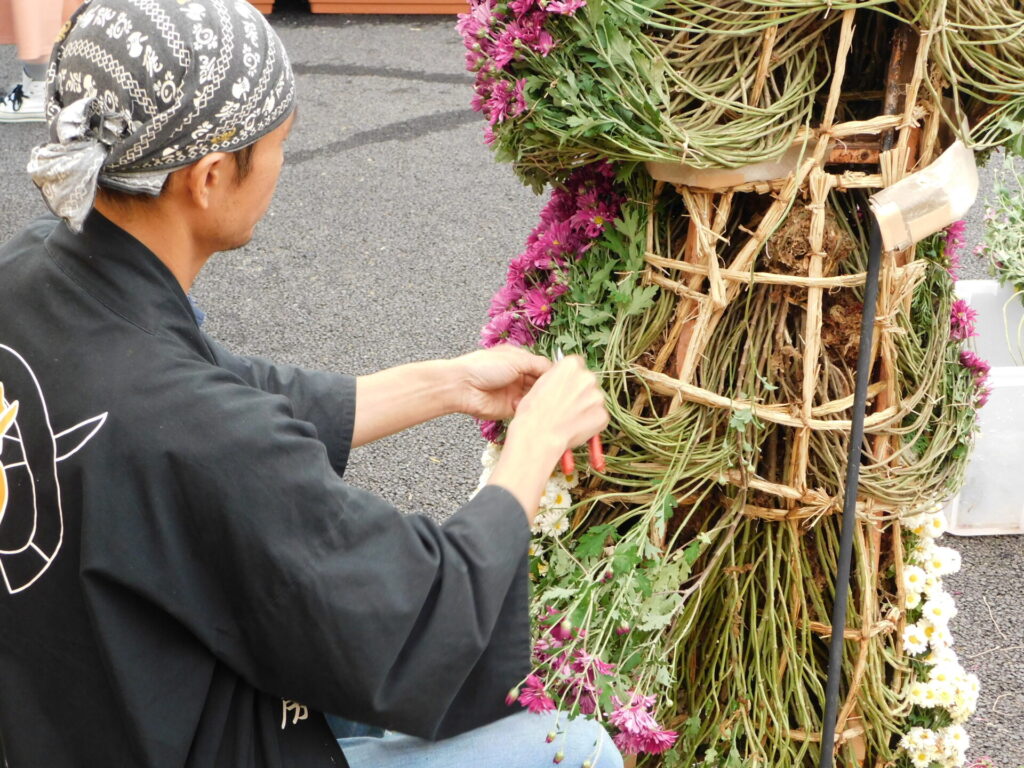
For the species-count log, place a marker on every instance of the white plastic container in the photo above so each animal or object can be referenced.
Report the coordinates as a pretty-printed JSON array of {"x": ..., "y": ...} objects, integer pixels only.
[
  {"x": 1000, "y": 324},
  {"x": 992, "y": 500}
]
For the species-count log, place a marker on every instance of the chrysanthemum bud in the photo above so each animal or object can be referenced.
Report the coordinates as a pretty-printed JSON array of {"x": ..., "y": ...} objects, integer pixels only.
[
  {"x": 623, "y": 628},
  {"x": 512, "y": 695},
  {"x": 550, "y": 737},
  {"x": 559, "y": 757},
  {"x": 587, "y": 764}
]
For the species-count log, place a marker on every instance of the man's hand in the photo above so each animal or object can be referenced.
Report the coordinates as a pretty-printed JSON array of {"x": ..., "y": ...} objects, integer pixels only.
[{"x": 495, "y": 380}]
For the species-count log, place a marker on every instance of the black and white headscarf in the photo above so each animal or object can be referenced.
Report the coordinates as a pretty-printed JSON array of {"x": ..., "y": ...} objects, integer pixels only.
[{"x": 139, "y": 88}]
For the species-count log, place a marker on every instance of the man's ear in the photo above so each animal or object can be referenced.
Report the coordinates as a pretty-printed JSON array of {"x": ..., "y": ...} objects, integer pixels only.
[{"x": 207, "y": 175}]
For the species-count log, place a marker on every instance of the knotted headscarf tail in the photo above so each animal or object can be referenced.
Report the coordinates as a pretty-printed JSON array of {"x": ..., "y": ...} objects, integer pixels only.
[{"x": 138, "y": 88}]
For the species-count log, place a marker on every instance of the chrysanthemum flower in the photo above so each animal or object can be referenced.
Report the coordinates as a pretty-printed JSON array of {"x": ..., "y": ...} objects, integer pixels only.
[
  {"x": 564, "y": 7},
  {"x": 943, "y": 561},
  {"x": 538, "y": 307},
  {"x": 534, "y": 697},
  {"x": 962, "y": 318},
  {"x": 914, "y": 640},
  {"x": 914, "y": 579},
  {"x": 955, "y": 742},
  {"x": 939, "y": 609}
]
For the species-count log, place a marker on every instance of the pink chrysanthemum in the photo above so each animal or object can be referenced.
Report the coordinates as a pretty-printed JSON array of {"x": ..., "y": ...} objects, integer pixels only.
[
  {"x": 564, "y": 7},
  {"x": 961, "y": 321},
  {"x": 507, "y": 298},
  {"x": 538, "y": 307},
  {"x": 499, "y": 105},
  {"x": 520, "y": 7},
  {"x": 983, "y": 395},
  {"x": 508, "y": 327},
  {"x": 954, "y": 244},
  {"x": 519, "y": 98},
  {"x": 638, "y": 730},
  {"x": 534, "y": 697},
  {"x": 975, "y": 365},
  {"x": 491, "y": 431}
]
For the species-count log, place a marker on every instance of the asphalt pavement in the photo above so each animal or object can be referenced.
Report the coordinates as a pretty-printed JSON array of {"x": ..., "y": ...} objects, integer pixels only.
[{"x": 390, "y": 230}]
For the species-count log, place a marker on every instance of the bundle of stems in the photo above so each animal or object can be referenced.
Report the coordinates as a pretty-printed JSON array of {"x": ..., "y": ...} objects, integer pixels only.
[
  {"x": 747, "y": 643},
  {"x": 710, "y": 84},
  {"x": 979, "y": 51}
]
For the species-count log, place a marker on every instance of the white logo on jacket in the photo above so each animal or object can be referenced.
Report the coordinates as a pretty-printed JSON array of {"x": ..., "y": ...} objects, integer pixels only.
[{"x": 31, "y": 517}]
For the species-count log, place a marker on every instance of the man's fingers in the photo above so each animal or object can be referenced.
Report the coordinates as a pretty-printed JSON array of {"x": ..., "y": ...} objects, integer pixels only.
[{"x": 527, "y": 362}]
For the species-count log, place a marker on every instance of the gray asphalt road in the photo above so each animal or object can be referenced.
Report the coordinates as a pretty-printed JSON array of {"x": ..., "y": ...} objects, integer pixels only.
[{"x": 389, "y": 232}]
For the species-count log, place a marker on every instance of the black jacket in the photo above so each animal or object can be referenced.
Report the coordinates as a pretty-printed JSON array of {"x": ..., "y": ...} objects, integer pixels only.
[{"x": 185, "y": 580}]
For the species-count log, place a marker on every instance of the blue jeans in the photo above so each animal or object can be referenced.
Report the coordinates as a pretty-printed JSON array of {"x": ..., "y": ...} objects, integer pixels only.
[{"x": 517, "y": 741}]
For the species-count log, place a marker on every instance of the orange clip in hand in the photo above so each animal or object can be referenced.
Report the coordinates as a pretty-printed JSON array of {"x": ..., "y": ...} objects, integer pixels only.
[{"x": 594, "y": 446}]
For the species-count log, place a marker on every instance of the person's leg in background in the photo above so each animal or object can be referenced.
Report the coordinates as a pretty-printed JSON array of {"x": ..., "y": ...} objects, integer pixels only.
[
  {"x": 517, "y": 741},
  {"x": 33, "y": 26}
]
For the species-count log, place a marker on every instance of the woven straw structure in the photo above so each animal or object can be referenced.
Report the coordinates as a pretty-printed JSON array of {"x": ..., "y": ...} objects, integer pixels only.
[{"x": 720, "y": 254}]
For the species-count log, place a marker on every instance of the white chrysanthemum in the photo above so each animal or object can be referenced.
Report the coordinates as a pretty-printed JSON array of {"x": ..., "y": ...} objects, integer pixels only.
[
  {"x": 922, "y": 755},
  {"x": 556, "y": 497},
  {"x": 946, "y": 672},
  {"x": 916, "y": 692},
  {"x": 925, "y": 695},
  {"x": 939, "y": 636},
  {"x": 551, "y": 522},
  {"x": 485, "y": 476},
  {"x": 942, "y": 561},
  {"x": 972, "y": 683},
  {"x": 919, "y": 737},
  {"x": 914, "y": 600},
  {"x": 914, "y": 579},
  {"x": 921, "y": 551},
  {"x": 955, "y": 743},
  {"x": 567, "y": 481},
  {"x": 935, "y": 525},
  {"x": 932, "y": 584},
  {"x": 490, "y": 455},
  {"x": 941, "y": 652},
  {"x": 939, "y": 608},
  {"x": 536, "y": 550},
  {"x": 915, "y": 641},
  {"x": 945, "y": 694}
]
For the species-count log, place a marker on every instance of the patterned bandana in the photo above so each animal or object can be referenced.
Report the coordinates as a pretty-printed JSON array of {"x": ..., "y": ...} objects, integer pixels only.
[{"x": 139, "y": 88}]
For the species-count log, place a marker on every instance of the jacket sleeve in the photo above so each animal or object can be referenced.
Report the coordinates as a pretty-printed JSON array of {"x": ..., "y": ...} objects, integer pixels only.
[
  {"x": 316, "y": 591},
  {"x": 326, "y": 400}
]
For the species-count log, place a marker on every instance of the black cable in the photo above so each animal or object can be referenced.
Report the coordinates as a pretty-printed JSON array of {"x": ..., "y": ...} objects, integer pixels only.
[{"x": 835, "y": 649}]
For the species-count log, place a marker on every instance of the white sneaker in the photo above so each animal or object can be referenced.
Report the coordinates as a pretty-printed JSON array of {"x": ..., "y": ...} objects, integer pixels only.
[{"x": 25, "y": 102}]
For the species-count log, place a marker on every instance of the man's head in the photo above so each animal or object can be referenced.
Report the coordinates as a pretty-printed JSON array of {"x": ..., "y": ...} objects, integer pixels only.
[
  {"x": 165, "y": 98},
  {"x": 217, "y": 200}
]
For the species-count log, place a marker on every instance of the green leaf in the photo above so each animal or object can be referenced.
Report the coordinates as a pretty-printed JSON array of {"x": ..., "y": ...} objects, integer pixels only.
[
  {"x": 631, "y": 661},
  {"x": 741, "y": 418},
  {"x": 692, "y": 552},
  {"x": 556, "y": 593},
  {"x": 625, "y": 559},
  {"x": 642, "y": 298},
  {"x": 566, "y": 342},
  {"x": 592, "y": 542},
  {"x": 643, "y": 583},
  {"x": 668, "y": 507},
  {"x": 594, "y": 315},
  {"x": 691, "y": 727},
  {"x": 613, "y": 239}
]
